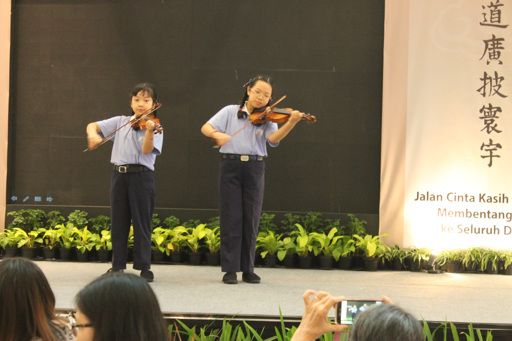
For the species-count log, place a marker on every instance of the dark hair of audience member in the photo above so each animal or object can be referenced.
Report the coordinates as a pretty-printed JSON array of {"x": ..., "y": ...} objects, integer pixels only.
[
  {"x": 122, "y": 307},
  {"x": 27, "y": 303},
  {"x": 386, "y": 322}
]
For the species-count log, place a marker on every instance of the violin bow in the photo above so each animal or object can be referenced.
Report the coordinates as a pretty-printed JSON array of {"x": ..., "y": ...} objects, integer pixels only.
[
  {"x": 112, "y": 134},
  {"x": 249, "y": 123}
]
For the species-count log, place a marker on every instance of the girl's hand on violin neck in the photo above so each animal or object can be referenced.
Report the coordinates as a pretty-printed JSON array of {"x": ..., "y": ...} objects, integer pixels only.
[
  {"x": 296, "y": 116},
  {"x": 220, "y": 138}
]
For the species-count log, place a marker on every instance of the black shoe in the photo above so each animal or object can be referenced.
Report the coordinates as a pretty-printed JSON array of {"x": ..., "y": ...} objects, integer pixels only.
[
  {"x": 230, "y": 278},
  {"x": 147, "y": 275},
  {"x": 251, "y": 278},
  {"x": 112, "y": 270}
]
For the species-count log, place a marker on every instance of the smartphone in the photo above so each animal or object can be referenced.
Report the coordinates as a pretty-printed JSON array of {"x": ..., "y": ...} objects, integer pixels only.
[{"x": 346, "y": 311}]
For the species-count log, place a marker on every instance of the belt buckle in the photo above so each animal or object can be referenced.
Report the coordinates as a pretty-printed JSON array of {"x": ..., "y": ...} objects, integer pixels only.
[
  {"x": 244, "y": 157},
  {"x": 122, "y": 169}
]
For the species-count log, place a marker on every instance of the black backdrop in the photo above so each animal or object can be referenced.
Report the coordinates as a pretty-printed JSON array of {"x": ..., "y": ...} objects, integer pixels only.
[{"x": 75, "y": 61}]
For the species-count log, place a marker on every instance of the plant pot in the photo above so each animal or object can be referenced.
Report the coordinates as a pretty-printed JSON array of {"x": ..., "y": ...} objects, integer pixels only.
[
  {"x": 49, "y": 253},
  {"x": 345, "y": 263},
  {"x": 508, "y": 270},
  {"x": 82, "y": 256},
  {"x": 11, "y": 251},
  {"x": 157, "y": 256},
  {"x": 471, "y": 266},
  {"x": 397, "y": 265},
  {"x": 213, "y": 259},
  {"x": 289, "y": 261},
  {"x": 65, "y": 254},
  {"x": 305, "y": 262},
  {"x": 371, "y": 263},
  {"x": 176, "y": 256},
  {"x": 29, "y": 252},
  {"x": 489, "y": 269},
  {"x": 194, "y": 258},
  {"x": 103, "y": 255},
  {"x": 453, "y": 265},
  {"x": 417, "y": 265},
  {"x": 325, "y": 262},
  {"x": 270, "y": 261}
]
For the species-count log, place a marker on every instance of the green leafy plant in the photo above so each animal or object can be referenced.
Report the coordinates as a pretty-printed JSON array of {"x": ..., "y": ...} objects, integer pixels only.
[
  {"x": 85, "y": 240},
  {"x": 312, "y": 222},
  {"x": 395, "y": 253},
  {"x": 325, "y": 243},
  {"x": 506, "y": 258},
  {"x": 159, "y": 239},
  {"x": 51, "y": 237},
  {"x": 419, "y": 254},
  {"x": 490, "y": 257},
  {"x": 171, "y": 222},
  {"x": 177, "y": 238},
  {"x": 304, "y": 244},
  {"x": 372, "y": 246},
  {"x": 99, "y": 223},
  {"x": 212, "y": 239},
  {"x": 268, "y": 243},
  {"x": 155, "y": 221},
  {"x": 473, "y": 257},
  {"x": 354, "y": 226},
  {"x": 54, "y": 218},
  {"x": 29, "y": 239},
  {"x": 266, "y": 222},
  {"x": 288, "y": 225},
  {"x": 344, "y": 247},
  {"x": 78, "y": 219},
  {"x": 194, "y": 236},
  {"x": 27, "y": 220},
  {"x": 8, "y": 238},
  {"x": 105, "y": 241},
  {"x": 447, "y": 255},
  {"x": 66, "y": 235}
]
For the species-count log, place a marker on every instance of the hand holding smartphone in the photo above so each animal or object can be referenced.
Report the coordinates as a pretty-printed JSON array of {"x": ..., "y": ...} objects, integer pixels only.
[{"x": 346, "y": 311}]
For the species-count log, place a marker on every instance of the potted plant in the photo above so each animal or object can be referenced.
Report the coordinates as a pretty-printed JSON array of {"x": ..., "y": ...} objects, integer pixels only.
[
  {"x": 85, "y": 241},
  {"x": 452, "y": 259},
  {"x": 506, "y": 259},
  {"x": 28, "y": 242},
  {"x": 66, "y": 240},
  {"x": 104, "y": 246},
  {"x": 395, "y": 257},
  {"x": 354, "y": 226},
  {"x": 176, "y": 242},
  {"x": 418, "y": 258},
  {"x": 54, "y": 218},
  {"x": 50, "y": 242},
  {"x": 193, "y": 241},
  {"x": 100, "y": 223},
  {"x": 473, "y": 258},
  {"x": 212, "y": 241},
  {"x": 159, "y": 240},
  {"x": 343, "y": 250},
  {"x": 268, "y": 244},
  {"x": 9, "y": 241},
  {"x": 288, "y": 252},
  {"x": 373, "y": 249},
  {"x": 325, "y": 244},
  {"x": 27, "y": 220},
  {"x": 304, "y": 245},
  {"x": 490, "y": 261}
]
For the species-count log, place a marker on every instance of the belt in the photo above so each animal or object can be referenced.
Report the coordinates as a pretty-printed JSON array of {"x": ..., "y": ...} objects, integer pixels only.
[
  {"x": 242, "y": 157},
  {"x": 131, "y": 168}
]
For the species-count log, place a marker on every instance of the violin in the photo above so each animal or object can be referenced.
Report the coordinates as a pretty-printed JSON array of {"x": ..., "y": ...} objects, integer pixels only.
[
  {"x": 140, "y": 122},
  {"x": 272, "y": 114}
]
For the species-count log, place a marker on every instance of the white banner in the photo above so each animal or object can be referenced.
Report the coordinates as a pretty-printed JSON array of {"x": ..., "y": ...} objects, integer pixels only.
[{"x": 457, "y": 151}]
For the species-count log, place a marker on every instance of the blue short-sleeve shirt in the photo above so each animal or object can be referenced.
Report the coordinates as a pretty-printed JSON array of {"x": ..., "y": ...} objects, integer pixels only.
[
  {"x": 249, "y": 141},
  {"x": 127, "y": 147}
]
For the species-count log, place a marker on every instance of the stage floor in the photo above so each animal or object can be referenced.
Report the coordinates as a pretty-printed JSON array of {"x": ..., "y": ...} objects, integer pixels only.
[{"x": 185, "y": 289}]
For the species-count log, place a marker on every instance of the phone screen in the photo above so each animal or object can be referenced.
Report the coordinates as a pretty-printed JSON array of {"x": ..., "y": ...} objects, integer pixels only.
[{"x": 346, "y": 311}]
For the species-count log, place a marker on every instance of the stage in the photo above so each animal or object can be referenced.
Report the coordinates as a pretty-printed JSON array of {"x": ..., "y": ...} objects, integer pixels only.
[{"x": 481, "y": 299}]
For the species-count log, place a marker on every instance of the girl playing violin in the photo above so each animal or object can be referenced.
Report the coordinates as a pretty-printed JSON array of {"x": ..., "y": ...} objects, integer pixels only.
[
  {"x": 242, "y": 174},
  {"x": 132, "y": 191}
]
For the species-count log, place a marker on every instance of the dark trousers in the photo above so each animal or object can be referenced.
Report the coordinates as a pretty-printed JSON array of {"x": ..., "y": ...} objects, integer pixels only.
[
  {"x": 132, "y": 200},
  {"x": 241, "y": 187}
]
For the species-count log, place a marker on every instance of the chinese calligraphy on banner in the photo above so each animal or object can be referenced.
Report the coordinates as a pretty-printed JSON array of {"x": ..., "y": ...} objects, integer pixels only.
[{"x": 447, "y": 124}]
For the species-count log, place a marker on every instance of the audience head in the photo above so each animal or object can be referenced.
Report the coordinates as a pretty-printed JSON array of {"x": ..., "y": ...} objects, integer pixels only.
[
  {"x": 118, "y": 307},
  {"x": 27, "y": 302},
  {"x": 386, "y": 322}
]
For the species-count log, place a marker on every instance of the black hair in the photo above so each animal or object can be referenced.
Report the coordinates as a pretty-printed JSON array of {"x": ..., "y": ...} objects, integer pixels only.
[
  {"x": 122, "y": 307},
  {"x": 250, "y": 84},
  {"x": 386, "y": 322},
  {"x": 146, "y": 88}
]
